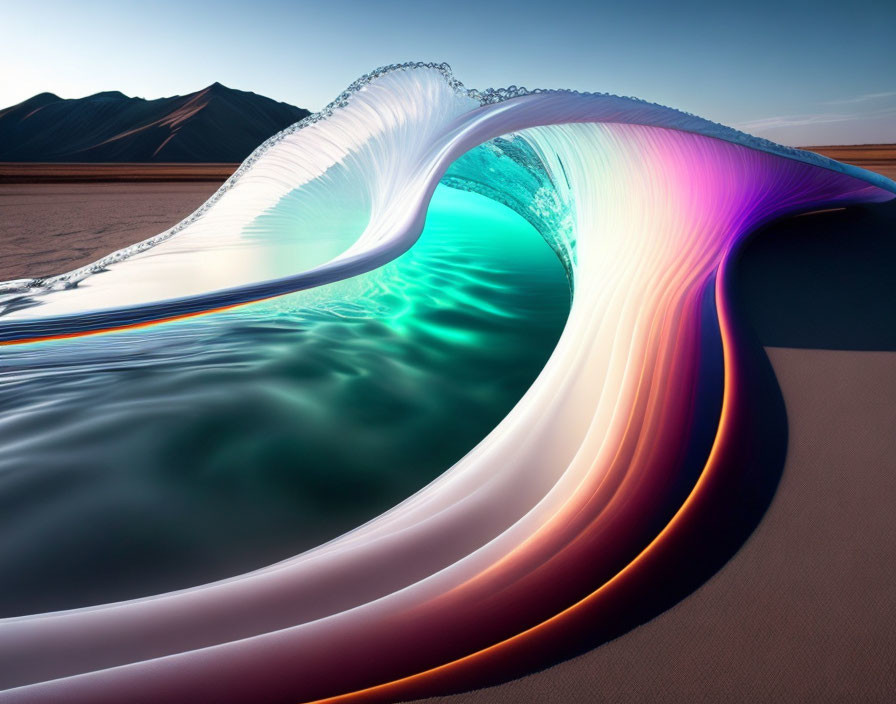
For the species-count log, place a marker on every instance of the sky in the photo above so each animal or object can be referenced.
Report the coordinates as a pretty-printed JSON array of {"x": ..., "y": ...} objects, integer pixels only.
[{"x": 800, "y": 73}]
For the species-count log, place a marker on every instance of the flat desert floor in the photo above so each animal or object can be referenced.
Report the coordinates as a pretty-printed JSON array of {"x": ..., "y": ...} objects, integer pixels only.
[
  {"x": 806, "y": 610},
  {"x": 874, "y": 157},
  {"x": 51, "y": 228}
]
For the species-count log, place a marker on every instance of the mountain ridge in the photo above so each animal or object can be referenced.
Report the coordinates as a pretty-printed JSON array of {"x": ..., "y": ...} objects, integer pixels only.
[{"x": 214, "y": 125}]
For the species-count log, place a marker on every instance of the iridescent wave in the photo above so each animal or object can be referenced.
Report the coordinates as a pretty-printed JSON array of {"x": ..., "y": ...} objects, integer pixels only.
[{"x": 637, "y": 461}]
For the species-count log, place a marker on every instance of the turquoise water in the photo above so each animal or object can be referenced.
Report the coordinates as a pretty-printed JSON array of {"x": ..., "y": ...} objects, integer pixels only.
[{"x": 153, "y": 459}]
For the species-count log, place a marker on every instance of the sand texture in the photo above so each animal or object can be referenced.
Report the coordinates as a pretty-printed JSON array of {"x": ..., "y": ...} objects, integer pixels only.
[
  {"x": 874, "y": 157},
  {"x": 52, "y": 228}
]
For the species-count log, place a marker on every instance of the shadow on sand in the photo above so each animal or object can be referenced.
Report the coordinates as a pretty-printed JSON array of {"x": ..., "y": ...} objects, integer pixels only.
[{"x": 824, "y": 280}]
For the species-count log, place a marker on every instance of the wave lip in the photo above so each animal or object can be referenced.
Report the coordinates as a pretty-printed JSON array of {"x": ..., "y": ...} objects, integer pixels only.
[{"x": 604, "y": 480}]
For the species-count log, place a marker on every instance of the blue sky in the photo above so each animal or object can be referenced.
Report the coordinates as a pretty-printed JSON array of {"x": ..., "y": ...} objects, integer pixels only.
[{"x": 797, "y": 72}]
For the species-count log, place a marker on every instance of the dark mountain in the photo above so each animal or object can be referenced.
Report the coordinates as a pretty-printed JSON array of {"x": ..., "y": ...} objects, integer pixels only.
[{"x": 217, "y": 124}]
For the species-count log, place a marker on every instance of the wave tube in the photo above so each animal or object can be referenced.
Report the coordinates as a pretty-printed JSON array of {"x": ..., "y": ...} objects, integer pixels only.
[{"x": 634, "y": 466}]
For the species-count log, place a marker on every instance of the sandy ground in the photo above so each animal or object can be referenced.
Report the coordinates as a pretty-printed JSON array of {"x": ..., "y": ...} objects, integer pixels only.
[
  {"x": 874, "y": 157},
  {"x": 48, "y": 228}
]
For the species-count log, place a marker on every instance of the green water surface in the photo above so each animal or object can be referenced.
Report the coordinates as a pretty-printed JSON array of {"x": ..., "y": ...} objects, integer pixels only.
[{"x": 142, "y": 461}]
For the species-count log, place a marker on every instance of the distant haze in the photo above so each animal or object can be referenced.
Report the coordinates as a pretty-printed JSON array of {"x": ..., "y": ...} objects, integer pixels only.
[{"x": 796, "y": 72}]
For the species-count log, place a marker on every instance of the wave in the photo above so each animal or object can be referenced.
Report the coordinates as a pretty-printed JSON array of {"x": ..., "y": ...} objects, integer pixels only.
[{"x": 636, "y": 463}]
